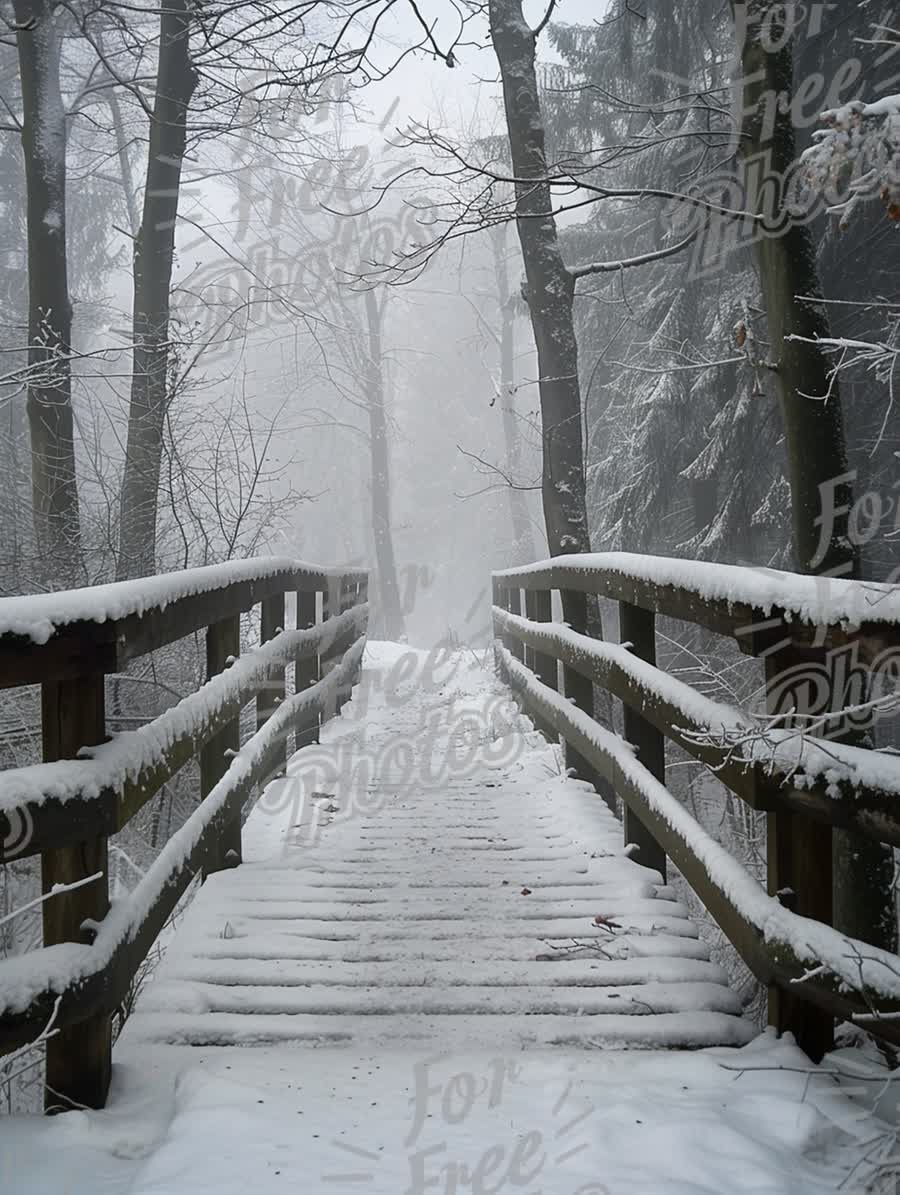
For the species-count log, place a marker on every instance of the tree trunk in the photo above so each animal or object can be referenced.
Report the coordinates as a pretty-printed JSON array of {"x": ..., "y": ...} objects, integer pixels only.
[
  {"x": 53, "y": 475},
  {"x": 550, "y": 286},
  {"x": 153, "y": 254},
  {"x": 550, "y": 293},
  {"x": 522, "y": 550},
  {"x": 390, "y": 612},
  {"x": 814, "y": 428}
]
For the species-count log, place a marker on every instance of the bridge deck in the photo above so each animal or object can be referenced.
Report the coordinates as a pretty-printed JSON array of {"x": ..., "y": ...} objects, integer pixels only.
[
  {"x": 387, "y": 976},
  {"x": 414, "y": 899}
]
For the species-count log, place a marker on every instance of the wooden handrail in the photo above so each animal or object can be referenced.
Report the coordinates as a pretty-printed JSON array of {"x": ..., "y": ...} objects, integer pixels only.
[
  {"x": 764, "y": 779},
  {"x": 104, "y": 792},
  {"x": 67, "y": 810},
  {"x": 57, "y": 635},
  {"x": 757, "y": 607},
  {"x": 106, "y": 966},
  {"x": 805, "y": 786}
]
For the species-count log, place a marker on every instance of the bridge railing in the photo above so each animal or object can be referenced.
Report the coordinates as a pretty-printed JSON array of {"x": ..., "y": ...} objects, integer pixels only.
[
  {"x": 91, "y": 785},
  {"x": 815, "y": 636}
]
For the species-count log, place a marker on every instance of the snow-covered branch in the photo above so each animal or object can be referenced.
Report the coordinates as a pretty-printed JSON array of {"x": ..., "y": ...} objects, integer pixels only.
[{"x": 856, "y": 158}]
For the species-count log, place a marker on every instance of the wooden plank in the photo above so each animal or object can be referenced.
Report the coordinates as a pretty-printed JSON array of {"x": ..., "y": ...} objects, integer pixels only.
[
  {"x": 79, "y": 1059},
  {"x": 223, "y": 642},
  {"x": 498, "y": 603},
  {"x": 81, "y": 647},
  {"x": 100, "y": 991},
  {"x": 306, "y": 671},
  {"x": 76, "y": 651},
  {"x": 31, "y": 829},
  {"x": 118, "y": 641},
  {"x": 638, "y": 627},
  {"x": 362, "y": 590}
]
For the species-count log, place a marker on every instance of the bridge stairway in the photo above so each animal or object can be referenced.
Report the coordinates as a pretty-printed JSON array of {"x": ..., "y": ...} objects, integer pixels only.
[{"x": 413, "y": 897}]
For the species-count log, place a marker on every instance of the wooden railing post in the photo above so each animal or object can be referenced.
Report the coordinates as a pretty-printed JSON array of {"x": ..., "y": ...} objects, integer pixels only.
[
  {"x": 580, "y": 690},
  {"x": 348, "y": 597},
  {"x": 538, "y": 608},
  {"x": 79, "y": 1059},
  {"x": 798, "y": 851},
  {"x": 271, "y": 622},
  {"x": 514, "y": 606},
  {"x": 306, "y": 671},
  {"x": 331, "y": 607},
  {"x": 361, "y": 599},
  {"x": 638, "y": 627},
  {"x": 223, "y": 642},
  {"x": 496, "y": 600}
]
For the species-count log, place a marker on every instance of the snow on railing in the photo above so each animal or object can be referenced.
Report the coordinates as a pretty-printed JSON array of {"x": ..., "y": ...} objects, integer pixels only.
[
  {"x": 730, "y": 592},
  {"x": 39, "y": 616},
  {"x": 788, "y": 762},
  {"x": 91, "y": 786},
  {"x": 30, "y": 983},
  {"x": 133, "y": 759}
]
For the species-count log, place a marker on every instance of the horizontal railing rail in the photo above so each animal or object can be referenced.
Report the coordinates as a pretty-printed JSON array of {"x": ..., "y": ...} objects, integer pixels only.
[
  {"x": 768, "y": 768},
  {"x": 76, "y": 799},
  {"x": 104, "y": 627},
  {"x": 760, "y": 608},
  {"x": 806, "y": 786},
  {"x": 90, "y": 787}
]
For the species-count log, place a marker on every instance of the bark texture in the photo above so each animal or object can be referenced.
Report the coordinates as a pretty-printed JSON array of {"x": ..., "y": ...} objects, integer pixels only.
[
  {"x": 53, "y": 473},
  {"x": 153, "y": 255},
  {"x": 522, "y": 550},
  {"x": 549, "y": 291},
  {"x": 550, "y": 287},
  {"x": 390, "y": 612},
  {"x": 809, "y": 398}
]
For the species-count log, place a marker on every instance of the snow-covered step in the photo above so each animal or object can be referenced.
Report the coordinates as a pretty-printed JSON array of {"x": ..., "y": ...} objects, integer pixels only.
[
  {"x": 496, "y": 908},
  {"x": 340, "y": 928},
  {"x": 404, "y": 972},
  {"x": 679, "y": 1030},
  {"x": 328, "y": 1000},
  {"x": 516, "y": 947},
  {"x": 420, "y": 908}
]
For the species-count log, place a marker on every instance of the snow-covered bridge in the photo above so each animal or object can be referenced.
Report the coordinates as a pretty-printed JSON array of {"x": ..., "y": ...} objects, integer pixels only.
[
  {"x": 428, "y": 920},
  {"x": 428, "y": 872}
]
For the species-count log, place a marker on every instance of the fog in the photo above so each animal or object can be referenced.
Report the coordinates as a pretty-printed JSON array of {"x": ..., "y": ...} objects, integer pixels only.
[{"x": 297, "y": 194}]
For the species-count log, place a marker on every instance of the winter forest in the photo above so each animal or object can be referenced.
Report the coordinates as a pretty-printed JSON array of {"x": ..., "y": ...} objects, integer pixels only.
[{"x": 449, "y": 595}]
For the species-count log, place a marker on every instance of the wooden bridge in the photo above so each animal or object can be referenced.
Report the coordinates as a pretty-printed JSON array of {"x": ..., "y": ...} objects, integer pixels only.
[{"x": 484, "y": 902}]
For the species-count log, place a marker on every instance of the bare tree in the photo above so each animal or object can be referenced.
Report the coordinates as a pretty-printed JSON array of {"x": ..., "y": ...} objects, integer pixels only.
[
  {"x": 523, "y": 539},
  {"x": 43, "y": 131},
  {"x": 176, "y": 80},
  {"x": 550, "y": 290}
]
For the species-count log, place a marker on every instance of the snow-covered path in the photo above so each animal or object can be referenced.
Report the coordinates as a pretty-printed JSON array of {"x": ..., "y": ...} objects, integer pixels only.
[
  {"x": 435, "y": 891},
  {"x": 432, "y": 973}
]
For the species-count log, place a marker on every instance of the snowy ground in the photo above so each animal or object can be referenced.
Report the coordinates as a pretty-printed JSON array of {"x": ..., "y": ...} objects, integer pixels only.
[
  {"x": 563, "y": 1122},
  {"x": 431, "y": 1113}
]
